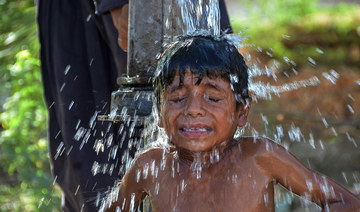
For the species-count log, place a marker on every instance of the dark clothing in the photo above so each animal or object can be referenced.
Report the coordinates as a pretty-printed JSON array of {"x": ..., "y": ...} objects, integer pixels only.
[
  {"x": 104, "y": 6},
  {"x": 80, "y": 62}
]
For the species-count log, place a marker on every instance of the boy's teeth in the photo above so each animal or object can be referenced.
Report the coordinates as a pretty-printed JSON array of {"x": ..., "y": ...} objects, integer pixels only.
[{"x": 195, "y": 129}]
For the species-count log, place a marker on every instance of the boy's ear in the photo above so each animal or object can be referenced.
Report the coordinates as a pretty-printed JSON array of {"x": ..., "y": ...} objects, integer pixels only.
[{"x": 243, "y": 112}]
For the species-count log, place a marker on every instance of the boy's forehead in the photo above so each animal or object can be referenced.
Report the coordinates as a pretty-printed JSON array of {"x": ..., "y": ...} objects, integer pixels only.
[{"x": 189, "y": 76}]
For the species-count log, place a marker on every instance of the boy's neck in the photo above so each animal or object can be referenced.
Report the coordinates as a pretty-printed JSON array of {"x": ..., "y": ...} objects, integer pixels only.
[{"x": 206, "y": 158}]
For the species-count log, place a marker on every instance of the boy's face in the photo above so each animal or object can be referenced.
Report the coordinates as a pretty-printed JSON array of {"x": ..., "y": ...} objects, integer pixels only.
[{"x": 198, "y": 117}]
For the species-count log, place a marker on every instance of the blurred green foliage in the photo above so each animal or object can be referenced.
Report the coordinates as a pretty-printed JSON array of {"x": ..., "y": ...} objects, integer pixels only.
[
  {"x": 302, "y": 29},
  {"x": 25, "y": 180}
]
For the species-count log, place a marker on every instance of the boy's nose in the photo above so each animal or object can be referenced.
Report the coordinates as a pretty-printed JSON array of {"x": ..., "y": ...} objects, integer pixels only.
[{"x": 194, "y": 106}]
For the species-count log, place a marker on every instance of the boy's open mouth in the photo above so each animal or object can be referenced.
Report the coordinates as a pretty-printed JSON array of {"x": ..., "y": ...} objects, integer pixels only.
[{"x": 195, "y": 131}]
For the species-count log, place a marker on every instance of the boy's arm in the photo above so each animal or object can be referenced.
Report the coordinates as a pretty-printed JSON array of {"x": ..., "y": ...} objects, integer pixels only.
[
  {"x": 131, "y": 190},
  {"x": 292, "y": 174}
]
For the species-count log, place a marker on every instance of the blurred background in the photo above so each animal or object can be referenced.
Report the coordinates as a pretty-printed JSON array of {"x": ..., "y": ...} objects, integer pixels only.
[{"x": 293, "y": 40}]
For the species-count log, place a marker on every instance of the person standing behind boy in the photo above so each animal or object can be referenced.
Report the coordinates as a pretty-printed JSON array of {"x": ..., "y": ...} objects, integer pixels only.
[
  {"x": 201, "y": 91},
  {"x": 80, "y": 62}
]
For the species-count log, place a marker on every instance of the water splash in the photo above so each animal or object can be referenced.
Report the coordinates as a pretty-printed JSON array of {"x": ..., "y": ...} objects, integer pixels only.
[
  {"x": 202, "y": 15},
  {"x": 265, "y": 91}
]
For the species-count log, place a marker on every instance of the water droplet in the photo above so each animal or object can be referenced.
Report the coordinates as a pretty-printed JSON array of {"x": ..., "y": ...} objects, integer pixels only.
[
  {"x": 351, "y": 97},
  {"x": 78, "y": 124},
  {"x": 311, "y": 141},
  {"x": 86, "y": 138},
  {"x": 344, "y": 176},
  {"x": 182, "y": 185},
  {"x": 88, "y": 18},
  {"x": 157, "y": 187},
  {"x": 234, "y": 179},
  {"x": 68, "y": 152},
  {"x": 152, "y": 168},
  {"x": 234, "y": 78},
  {"x": 55, "y": 180},
  {"x": 334, "y": 131},
  {"x": 59, "y": 150},
  {"x": 77, "y": 190},
  {"x": 57, "y": 134},
  {"x": 294, "y": 133},
  {"x": 350, "y": 109},
  {"x": 138, "y": 175},
  {"x": 158, "y": 56},
  {"x": 62, "y": 87},
  {"x": 110, "y": 140},
  {"x": 121, "y": 128},
  {"x": 321, "y": 145},
  {"x": 132, "y": 203},
  {"x": 269, "y": 54},
  {"x": 71, "y": 104},
  {"x": 279, "y": 131},
  {"x": 92, "y": 119},
  {"x": 67, "y": 69},
  {"x": 286, "y": 37},
  {"x": 163, "y": 161},
  {"x": 263, "y": 117},
  {"x": 334, "y": 74},
  {"x": 351, "y": 139},
  {"x": 325, "y": 122},
  {"x": 113, "y": 152},
  {"x": 266, "y": 198},
  {"x": 41, "y": 202},
  {"x": 99, "y": 146},
  {"x": 95, "y": 168},
  {"x": 312, "y": 61},
  {"x": 52, "y": 104},
  {"x": 146, "y": 171},
  {"x": 173, "y": 169},
  {"x": 319, "y": 51},
  {"x": 79, "y": 133},
  {"x": 309, "y": 185}
]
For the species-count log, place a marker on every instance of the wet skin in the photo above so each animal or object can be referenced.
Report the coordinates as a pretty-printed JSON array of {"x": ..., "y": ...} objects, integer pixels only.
[
  {"x": 199, "y": 117},
  {"x": 236, "y": 175}
]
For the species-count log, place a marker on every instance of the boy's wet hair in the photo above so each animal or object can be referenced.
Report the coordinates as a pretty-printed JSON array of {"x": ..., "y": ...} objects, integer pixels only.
[{"x": 206, "y": 56}]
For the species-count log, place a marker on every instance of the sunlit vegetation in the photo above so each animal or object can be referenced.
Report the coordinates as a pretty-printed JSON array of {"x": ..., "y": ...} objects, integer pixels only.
[
  {"x": 302, "y": 29},
  {"x": 25, "y": 180}
]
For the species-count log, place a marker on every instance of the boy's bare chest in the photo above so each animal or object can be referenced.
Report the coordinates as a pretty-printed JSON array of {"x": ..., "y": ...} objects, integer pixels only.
[{"x": 223, "y": 189}]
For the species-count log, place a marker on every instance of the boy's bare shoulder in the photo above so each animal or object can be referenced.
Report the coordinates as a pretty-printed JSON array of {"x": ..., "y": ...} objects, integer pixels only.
[
  {"x": 257, "y": 143},
  {"x": 259, "y": 146},
  {"x": 270, "y": 157},
  {"x": 153, "y": 153}
]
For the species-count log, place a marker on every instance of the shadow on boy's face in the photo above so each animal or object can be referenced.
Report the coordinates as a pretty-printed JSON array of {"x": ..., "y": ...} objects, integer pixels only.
[{"x": 200, "y": 116}]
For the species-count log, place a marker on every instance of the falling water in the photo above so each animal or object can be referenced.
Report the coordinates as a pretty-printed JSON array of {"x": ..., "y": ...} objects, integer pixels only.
[{"x": 202, "y": 15}]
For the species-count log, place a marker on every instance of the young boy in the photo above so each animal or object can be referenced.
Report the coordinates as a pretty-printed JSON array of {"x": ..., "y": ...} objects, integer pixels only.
[{"x": 202, "y": 93}]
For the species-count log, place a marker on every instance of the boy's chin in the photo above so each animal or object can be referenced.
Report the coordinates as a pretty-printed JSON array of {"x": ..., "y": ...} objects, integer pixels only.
[{"x": 197, "y": 148}]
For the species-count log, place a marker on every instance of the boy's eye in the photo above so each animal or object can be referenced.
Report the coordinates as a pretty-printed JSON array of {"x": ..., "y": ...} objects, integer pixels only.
[
  {"x": 176, "y": 100},
  {"x": 213, "y": 99}
]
